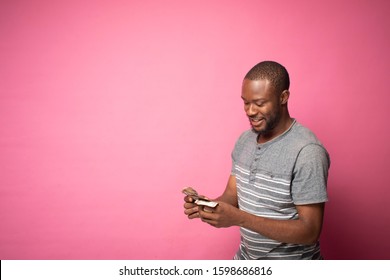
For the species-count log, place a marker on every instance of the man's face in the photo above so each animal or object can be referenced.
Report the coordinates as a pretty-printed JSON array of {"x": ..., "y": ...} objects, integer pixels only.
[{"x": 261, "y": 105}]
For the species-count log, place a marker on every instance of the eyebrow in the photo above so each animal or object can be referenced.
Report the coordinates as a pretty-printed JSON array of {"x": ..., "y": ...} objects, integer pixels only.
[{"x": 254, "y": 100}]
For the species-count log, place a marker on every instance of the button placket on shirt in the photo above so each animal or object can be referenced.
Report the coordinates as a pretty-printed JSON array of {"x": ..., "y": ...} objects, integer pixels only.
[{"x": 253, "y": 170}]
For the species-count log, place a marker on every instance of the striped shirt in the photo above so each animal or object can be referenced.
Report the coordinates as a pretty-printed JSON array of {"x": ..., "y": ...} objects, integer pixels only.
[{"x": 272, "y": 178}]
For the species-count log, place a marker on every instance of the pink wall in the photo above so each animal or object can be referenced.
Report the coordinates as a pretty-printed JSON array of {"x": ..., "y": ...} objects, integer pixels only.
[{"x": 109, "y": 108}]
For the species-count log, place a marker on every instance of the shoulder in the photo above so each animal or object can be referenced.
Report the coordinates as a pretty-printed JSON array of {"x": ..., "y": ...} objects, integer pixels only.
[
  {"x": 309, "y": 144},
  {"x": 303, "y": 134}
]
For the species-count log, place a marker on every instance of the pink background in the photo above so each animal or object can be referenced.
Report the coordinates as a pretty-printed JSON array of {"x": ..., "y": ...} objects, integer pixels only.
[{"x": 109, "y": 108}]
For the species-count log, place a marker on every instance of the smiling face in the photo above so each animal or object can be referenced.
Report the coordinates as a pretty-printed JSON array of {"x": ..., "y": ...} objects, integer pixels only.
[{"x": 265, "y": 108}]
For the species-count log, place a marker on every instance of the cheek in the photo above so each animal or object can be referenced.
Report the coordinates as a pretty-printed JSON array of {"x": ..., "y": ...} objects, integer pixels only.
[
  {"x": 271, "y": 110},
  {"x": 273, "y": 114}
]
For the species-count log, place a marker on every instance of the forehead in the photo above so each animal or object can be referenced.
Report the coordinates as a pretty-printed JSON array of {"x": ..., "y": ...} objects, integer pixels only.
[{"x": 255, "y": 89}]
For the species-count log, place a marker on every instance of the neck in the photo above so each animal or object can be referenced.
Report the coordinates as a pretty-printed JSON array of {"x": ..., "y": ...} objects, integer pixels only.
[{"x": 283, "y": 125}]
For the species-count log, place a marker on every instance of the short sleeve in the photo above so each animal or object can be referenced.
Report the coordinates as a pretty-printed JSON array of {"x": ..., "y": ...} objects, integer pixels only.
[
  {"x": 234, "y": 157},
  {"x": 238, "y": 149},
  {"x": 310, "y": 176}
]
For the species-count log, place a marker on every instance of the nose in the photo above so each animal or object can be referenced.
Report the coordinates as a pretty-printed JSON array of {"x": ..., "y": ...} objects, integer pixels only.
[{"x": 250, "y": 110}]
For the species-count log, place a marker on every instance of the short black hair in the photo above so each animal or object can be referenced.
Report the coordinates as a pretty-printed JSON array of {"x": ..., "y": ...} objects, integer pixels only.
[{"x": 272, "y": 71}]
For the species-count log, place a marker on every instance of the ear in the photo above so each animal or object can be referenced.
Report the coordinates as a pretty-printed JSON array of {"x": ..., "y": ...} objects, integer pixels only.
[{"x": 284, "y": 97}]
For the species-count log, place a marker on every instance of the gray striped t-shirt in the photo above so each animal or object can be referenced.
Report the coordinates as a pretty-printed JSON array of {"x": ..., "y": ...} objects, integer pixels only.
[{"x": 272, "y": 178}]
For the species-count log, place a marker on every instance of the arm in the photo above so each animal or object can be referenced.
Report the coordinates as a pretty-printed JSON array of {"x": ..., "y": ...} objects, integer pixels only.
[
  {"x": 305, "y": 230},
  {"x": 230, "y": 194}
]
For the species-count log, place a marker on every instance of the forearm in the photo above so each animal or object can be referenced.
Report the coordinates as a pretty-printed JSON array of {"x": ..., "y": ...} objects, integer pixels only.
[
  {"x": 287, "y": 231},
  {"x": 304, "y": 230}
]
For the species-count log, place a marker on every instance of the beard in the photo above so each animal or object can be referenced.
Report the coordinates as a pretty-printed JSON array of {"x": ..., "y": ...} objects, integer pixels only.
[{"x": 271, "y": 122}]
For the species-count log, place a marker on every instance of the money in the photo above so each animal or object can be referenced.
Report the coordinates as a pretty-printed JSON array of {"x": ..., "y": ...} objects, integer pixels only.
[
  {"x": 191, "y": 192},
  {"x": 208, "y": 203}
]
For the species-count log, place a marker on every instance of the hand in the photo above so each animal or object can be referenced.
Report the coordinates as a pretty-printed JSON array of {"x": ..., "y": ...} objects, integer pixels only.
[
  {"x": 223, "y": 215},
  {"x": 190, "y": 208}
]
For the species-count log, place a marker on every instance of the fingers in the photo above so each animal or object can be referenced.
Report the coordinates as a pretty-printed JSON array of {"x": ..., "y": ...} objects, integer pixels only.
[
  {"x": 188, "y": 199},
  {"x": 211, "y": 218},
  {"x": 194, "y": 215},
  {"x": 191, "y": 210},
  {"x": 208, "y": 209},
  {"x": 206, "y": 213}
]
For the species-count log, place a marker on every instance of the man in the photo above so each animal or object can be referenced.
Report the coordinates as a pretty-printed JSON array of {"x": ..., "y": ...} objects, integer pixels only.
[{"x": 277, "y": 188}]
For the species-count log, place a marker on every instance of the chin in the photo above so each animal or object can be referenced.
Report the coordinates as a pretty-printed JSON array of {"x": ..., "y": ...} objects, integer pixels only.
[{"x": 257, "y": 131}]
